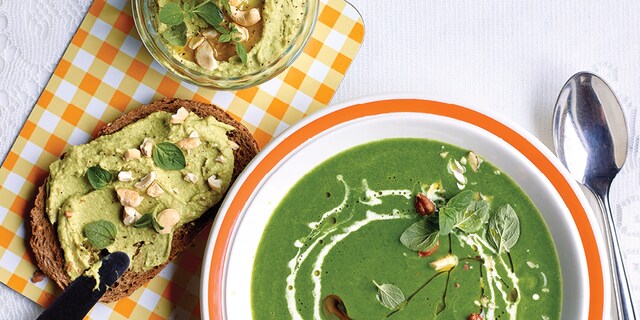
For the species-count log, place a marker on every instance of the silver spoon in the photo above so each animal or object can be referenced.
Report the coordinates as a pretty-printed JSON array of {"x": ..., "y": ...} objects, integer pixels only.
[{"x": 590, "y": 137}]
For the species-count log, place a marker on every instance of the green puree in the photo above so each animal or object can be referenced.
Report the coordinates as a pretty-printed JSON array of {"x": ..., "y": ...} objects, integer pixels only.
[{"x": 366, "y": 195}]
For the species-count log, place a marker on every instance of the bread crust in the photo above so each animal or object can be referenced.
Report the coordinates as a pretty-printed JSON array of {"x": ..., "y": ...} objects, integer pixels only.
[{"x": 44, "y": 239}]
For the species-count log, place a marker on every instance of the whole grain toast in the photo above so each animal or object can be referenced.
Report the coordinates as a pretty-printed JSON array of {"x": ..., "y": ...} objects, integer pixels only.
[{"x": 44, "y": 240}]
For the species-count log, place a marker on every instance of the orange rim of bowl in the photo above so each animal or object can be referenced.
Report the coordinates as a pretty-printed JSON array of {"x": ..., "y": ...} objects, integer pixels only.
[{"x": 315, "y": 127}]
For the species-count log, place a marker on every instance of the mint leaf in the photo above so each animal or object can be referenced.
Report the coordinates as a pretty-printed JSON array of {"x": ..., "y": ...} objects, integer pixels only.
[
  {"x": 221, "y": 29},
  {"x": 389, "y": 295},
  {"x": 171, "y": 14},
  {"x": 144, "y": 221},
  {"x": 210, "y": 13},
  {"x": 475, "y": 216},
  {"x": 226, "y": 5},
  {"x": 465, "y": 211},
  {"x": 504, "y": 229},
  {"x": 176, "y": 35},
  {"x": 168, "y": 156},
  {"x": 242, "y": 52},
  {"x": 420, "y": 236},
  {"x": 98, "y": 177},
  {"x": 225, "y": 38},
  {"x": 100, "y": 234}
]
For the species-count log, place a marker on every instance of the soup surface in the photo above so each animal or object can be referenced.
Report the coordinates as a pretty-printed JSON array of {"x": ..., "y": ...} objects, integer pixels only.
[{"x": 351, "y": 241}]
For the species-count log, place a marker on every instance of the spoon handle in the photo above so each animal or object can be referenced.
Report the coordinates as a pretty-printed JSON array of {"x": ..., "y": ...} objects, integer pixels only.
[{"x": 624, "y": 301}]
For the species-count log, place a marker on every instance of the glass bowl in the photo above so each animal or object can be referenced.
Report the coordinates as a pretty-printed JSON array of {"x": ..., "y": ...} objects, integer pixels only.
[{"x": 144, "y": 19}]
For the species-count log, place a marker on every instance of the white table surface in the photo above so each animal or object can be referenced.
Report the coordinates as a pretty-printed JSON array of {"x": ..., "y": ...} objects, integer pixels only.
[{"x": 504, "y": 57}]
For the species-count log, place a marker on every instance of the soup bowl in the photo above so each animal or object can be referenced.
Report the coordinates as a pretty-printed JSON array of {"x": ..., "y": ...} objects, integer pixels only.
[{"x": 241, "y": 221}]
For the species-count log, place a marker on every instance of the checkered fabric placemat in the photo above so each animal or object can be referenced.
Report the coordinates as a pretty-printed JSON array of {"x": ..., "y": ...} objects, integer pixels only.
[{"x": 106, "y": 71}]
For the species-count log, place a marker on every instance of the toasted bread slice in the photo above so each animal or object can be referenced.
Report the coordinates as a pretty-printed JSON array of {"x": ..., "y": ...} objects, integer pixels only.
[{"x": 44, "y": 239}]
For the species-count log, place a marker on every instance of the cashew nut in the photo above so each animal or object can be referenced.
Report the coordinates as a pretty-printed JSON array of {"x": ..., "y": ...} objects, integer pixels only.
[
  {"x": 146, "y": 181},
  {"x": 189, "y": 143},
  {"x": 130, "y": 215},
  {"x": 220, "y": 159},
  {"x": 204, "y": 57},
  {"x": 167, "y": 219},
  {"x": 210, "y": 34},
  {"x": 146, "y": 147},
  {"x": 180, "y": 115},
  {"x": 195, "y": 42},
  {"x": 233, "y": 145},
  {"x": 244, "y": 32},
  {"x": 215, "y": 183},
  {"x": 125, "y": 176},
  {"x": 129, "y": 198},
  {"x": 131, "y": 154},
  {"x": 154, "y": 190},
  {"x": 245, "y": 18},
  {"x": 190, "y": 177}
]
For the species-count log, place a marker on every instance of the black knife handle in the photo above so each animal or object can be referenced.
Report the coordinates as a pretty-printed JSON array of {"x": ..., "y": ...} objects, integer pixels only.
[{"x": 79, "y": 297}]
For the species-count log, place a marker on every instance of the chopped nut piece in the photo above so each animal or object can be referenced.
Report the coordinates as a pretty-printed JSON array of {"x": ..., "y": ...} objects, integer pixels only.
[
  {"x": 125, "y": 176},
  {"x": 474, "y": 161},
  {"x": 146, "y": 147},
  {"x": 445, "y": 263},
  {"x": 129, "y": 198},
  {"x": 167, "y": 219},
  {"x": 195, "y": 42},
  {"x": 474, "y": 316},
  {"x": 130, "y": 215},
  {"x": 244, "y": 32},
  {"x": 154, "y": 190},
  {"x": 146, "y": 181},
  {"x": 204, "y": 57},
  {"x": 423, "y": 205},
  {"x": 245, "y": 18},
  {"x": 194, "y": 134},
  {"x": 68, "y": 214},
  {"x": 429, "y": 252},
  {"x": 215, "y": 183},
  {"x": 189, "y": 143},
  {"x": 210, "y": 34},
  {"x": 180, "y": 115},
  {"x": 131, "y": 154},
  {"x": 37, "y": 276},
  {"x": 190, "y": 177},
  {"x": 220, "y": 159},
  {"x": 234, "y": 146}
]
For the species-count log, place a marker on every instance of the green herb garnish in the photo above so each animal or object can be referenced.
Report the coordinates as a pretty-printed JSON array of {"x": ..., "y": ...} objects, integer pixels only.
[
  {"x": 176, "y": 35},
  {"x": 100, "y": 234},
  {"x": 242, "y": 52},
  {"x": 389, "y": 295},
  {"x": 98, "y": 177},
  {"x": 421, "y": 236},
  {"x": 465, "y": 211},
  {"x": 172, "y": 14},
  {"x": 504, "y": 229},
  {"x": 148, "y": 220},
  {"x": 168, "y": 156}
]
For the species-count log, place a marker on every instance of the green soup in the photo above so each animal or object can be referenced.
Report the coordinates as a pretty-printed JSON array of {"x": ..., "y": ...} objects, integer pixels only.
[{"x": 347, "y": 241}]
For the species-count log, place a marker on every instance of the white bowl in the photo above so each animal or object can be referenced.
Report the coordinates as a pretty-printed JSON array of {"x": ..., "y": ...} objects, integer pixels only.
[{"x": 226, "y": 280}]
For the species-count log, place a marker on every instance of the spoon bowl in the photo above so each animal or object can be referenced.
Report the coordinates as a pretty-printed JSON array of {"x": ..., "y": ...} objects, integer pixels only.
[{"x": 591, "y": 139}]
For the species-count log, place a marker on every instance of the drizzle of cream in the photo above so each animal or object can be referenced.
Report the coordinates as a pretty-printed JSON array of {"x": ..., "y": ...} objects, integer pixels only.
[
  {"x": 317, "y": 235},
  {"x": 335, "y": 239},
  {"x": 372, "y": 197},
  {"x": 493, "y": 279}
]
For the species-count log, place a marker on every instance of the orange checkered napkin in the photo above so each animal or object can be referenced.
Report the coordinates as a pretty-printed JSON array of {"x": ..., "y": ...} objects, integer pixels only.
[{"x": 106, "y": 71}]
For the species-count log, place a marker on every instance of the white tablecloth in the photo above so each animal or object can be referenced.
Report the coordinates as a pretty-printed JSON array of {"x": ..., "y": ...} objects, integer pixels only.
[{"x": 504, "y": 57}]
